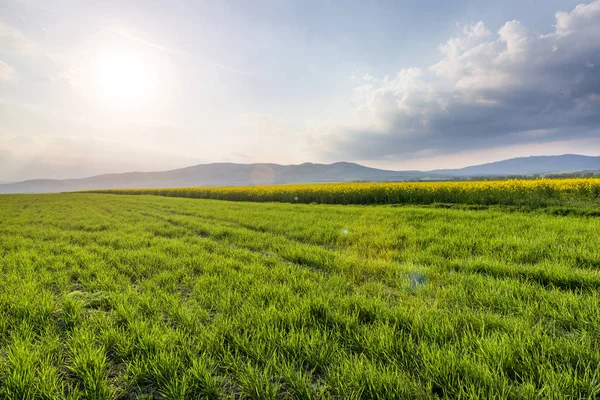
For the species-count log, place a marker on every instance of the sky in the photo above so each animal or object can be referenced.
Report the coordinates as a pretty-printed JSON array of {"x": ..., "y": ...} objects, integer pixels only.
[{"x": 91, "y": 87}]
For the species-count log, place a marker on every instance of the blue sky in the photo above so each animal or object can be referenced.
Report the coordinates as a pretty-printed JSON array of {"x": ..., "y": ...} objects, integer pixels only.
[{"x": 88, "y": 87}]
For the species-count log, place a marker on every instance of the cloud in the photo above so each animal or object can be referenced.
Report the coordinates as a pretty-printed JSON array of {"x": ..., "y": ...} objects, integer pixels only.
[
  {"x": 59, "y": 157},
  {"x": 157, "y": 46},
  {"x": 266, "y": 138},
  {"x": 13, "y": 39},
  {"x": 70, "y": 76},
  {"x": 140, "y": 40},
  {"x": 6, "y": 71},
  {"x": 487, "y": 90}
]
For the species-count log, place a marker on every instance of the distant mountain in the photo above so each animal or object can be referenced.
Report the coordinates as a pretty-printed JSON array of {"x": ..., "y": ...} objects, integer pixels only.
[
  {"x": 219, "y": 174},
  {"x": 529, "y": 166},
  {"x": 229, "y": 174}
]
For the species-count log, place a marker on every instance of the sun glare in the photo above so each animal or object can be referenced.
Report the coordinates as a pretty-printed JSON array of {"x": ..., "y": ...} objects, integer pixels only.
[{"x": 124, "y": 80}]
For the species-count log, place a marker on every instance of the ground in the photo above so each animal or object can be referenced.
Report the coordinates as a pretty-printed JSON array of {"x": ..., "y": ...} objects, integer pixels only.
[{"x": 113, "y": 296}]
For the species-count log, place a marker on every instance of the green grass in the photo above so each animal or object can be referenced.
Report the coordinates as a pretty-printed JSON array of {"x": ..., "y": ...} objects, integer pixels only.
[{"x": 105, "y": 296}]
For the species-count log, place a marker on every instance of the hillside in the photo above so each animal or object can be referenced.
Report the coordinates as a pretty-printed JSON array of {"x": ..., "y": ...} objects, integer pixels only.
[
  {"x": 219, "y": 174},
  {"x": 529, "y": 166}
]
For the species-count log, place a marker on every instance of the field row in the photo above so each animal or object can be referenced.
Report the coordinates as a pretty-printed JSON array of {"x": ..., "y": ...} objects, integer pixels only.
[
  {"x": 540, "y": 192},
  {"x": 105, "y": 297}
]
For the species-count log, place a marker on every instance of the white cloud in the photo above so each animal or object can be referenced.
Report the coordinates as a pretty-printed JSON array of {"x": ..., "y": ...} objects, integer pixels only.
[
  {"x": 6, "y": 71},
  {"x": 169, "y": 50},
  {"x": 70, "y": 76},
  {"x": 584, "y": 18},
  {"x": 13, "y": 39},
  {"x": 486, "y": 90},
  {"x": 58, "y": 157},
  {"x": 267, "y": 138}
]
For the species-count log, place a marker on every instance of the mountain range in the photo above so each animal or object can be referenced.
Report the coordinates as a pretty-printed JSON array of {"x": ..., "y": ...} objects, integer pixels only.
[{"x": 230, "y": 174}]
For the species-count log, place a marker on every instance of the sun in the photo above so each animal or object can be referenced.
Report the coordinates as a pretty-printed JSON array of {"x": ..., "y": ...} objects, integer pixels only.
[{"x": 124, "y": 80}]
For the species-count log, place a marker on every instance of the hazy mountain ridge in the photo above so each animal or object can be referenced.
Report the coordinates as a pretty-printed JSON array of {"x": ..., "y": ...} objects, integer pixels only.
[
  {"x": 231, "y": 174},
  {"x": 530, "y": 165}
]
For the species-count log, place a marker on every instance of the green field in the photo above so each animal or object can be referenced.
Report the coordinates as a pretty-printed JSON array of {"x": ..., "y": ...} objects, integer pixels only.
[{"x": 114, "y": 296}]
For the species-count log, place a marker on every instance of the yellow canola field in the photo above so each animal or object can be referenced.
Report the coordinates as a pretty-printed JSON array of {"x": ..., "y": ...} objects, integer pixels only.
[{"x": 509, "y": 192}]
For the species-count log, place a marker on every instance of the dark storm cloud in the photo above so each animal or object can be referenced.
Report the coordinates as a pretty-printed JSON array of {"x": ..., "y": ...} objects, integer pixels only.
[{"x": 519, "y": 87}]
